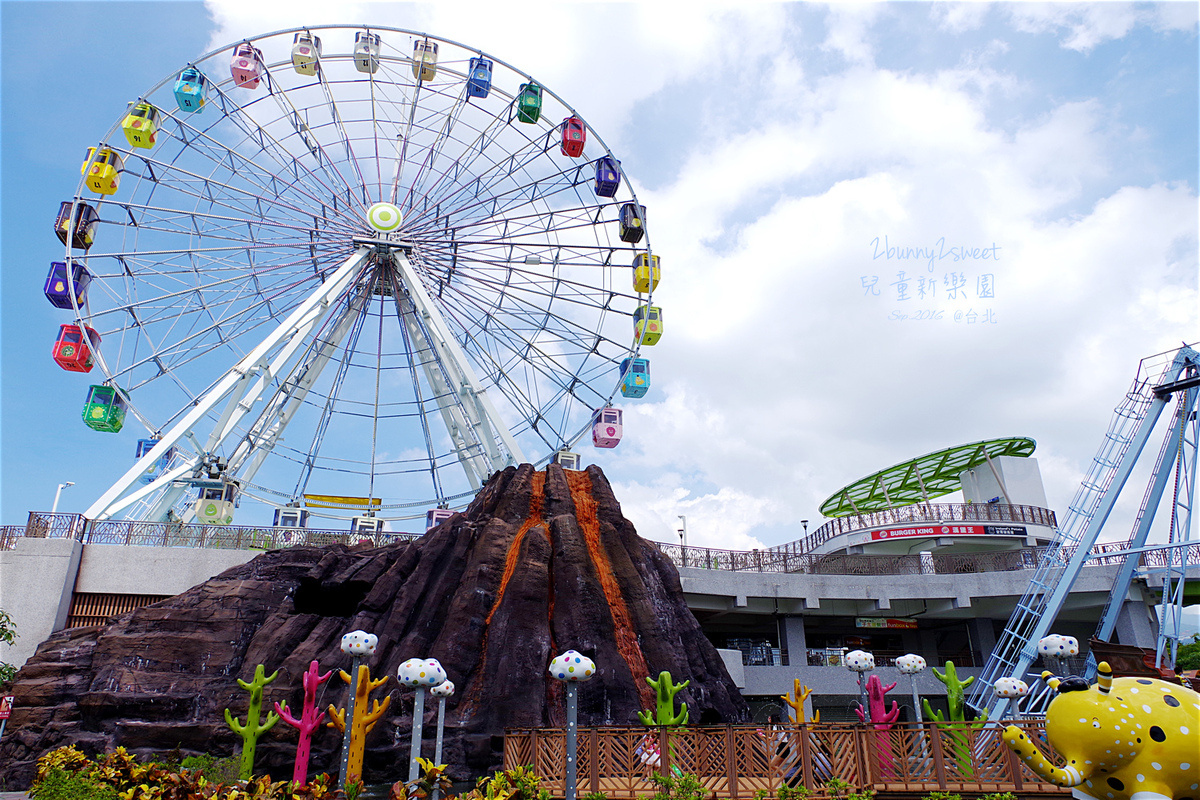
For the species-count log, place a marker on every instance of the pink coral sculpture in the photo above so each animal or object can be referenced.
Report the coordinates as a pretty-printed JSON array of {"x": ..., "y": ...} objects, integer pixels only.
[{"x": 310, "y": 719}]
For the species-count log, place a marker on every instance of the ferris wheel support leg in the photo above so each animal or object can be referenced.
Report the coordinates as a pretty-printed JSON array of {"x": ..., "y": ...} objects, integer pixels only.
[
  {"x": 470, "y": 451},
  {"x": 481, "y": 413},
  {"x": 289, "y": 336},
  {"x": 266, "y": 432}
]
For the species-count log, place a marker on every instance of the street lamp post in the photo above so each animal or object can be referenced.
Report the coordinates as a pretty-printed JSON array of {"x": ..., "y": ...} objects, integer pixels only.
[
  {"x": 58, "y": 494},
  {"x": 683, "y": 537}
]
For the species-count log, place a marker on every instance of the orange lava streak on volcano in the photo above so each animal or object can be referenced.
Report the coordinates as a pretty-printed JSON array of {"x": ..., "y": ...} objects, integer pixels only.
[
  {"x": 627, "y": 643},
  {"x": 534, "y": 517},
  {"x": 537, "y": 498}
]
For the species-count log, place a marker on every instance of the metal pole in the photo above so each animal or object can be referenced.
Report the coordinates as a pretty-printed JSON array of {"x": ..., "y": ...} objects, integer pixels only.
[
  {"x": 862, "y": 699},
  {"x": 572, "y": 739},
  {"x": 418, "y": 719},
  {"x": 58, "y": 493},
  {"x": 912, "y": 682},
  {"x": 437, "y": 749},
  {"x": 343, "y": 766}
]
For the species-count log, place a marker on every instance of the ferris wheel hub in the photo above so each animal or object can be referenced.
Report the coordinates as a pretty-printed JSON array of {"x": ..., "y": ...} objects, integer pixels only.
[{"x": 384, "y": 217}]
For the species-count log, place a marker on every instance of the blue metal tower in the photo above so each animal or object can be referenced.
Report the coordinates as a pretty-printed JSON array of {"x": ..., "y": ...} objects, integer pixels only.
[{"x": 1174, "y": 375}]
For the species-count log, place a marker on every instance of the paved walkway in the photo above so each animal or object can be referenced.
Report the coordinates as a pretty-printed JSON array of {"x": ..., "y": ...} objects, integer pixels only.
[{"x": 13, "y": 796}]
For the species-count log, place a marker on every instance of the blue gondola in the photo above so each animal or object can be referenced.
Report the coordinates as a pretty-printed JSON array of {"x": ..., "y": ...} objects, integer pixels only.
[
  {"x": 479, "y": 77},
  {"x": 635, "y": 377},
  {"x": 608, "y": 176},
  {"x": 190, "y": 90},
  {"x": 58, "y": 288},
  {"x": 160, "y": 465}
]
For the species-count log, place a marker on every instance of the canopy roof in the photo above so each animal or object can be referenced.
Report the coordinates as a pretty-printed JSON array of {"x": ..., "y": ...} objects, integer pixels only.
[{"x": 921, "y": 479}]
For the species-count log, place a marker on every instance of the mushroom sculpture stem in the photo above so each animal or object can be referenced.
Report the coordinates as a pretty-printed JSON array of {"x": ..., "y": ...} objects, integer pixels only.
[{"x": 361, "y": 722}]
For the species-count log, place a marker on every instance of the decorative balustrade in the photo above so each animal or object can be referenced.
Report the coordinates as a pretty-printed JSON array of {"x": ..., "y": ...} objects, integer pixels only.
[
  {"x": 737, "y": 761},
  {"x": 775, "y": 559},
  {"x": 848, "y": 564},
  {"x": 923, "y": 513}
]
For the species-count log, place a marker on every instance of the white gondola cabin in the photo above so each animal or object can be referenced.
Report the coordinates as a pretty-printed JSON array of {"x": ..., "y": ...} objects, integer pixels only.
[
  {"x": 216, "y": 502},
  {"x": 366, "y": 51},
  {"x": 568, "y": 460},
  {"x": 291, "y": 517}
]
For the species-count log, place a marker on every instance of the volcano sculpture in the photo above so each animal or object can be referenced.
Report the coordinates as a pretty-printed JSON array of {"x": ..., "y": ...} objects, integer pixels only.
[{"x": 541, "y": 562}]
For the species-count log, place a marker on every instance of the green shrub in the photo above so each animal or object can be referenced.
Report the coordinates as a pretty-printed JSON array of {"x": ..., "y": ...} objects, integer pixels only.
[
  {"x": 951, "y": 796},
  {"x": 594, "y": 796},
  {"x": 998, "y": 796},
  {"x": 684, "y": 787},
  {"x": 59, "y": 784},
  {"x": 784, "y": 792}
]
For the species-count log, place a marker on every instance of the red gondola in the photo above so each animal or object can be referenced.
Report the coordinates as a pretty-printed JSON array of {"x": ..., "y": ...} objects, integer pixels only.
[
  {"x": 73, "y": 351},
  {"x": 574, "y": 135}
]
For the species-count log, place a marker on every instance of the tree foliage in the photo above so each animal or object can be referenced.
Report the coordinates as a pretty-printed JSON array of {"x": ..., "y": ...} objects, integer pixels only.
[{"x": 8, "y": 635}]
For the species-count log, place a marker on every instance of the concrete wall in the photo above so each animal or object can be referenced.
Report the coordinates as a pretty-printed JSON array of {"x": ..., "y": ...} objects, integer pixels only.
[
  {"x": 118, "y": 569},
  {"x": 1022, "y": 478},
  {"x": 36, "y": 581}
]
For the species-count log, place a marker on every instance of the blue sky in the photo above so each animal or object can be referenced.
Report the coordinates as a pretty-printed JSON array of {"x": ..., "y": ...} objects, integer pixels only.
[{"x": 772, "y": 145}]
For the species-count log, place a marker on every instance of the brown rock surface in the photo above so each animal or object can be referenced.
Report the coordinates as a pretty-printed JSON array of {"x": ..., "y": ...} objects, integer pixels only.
[{"x": 541, "y": 562}]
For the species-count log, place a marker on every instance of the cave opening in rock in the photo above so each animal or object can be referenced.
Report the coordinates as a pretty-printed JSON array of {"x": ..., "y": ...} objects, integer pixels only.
[{"x": 329, "y": 600}]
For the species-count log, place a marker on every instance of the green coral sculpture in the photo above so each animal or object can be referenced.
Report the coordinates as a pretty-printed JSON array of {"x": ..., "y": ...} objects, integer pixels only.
[
  {"x": 252, "y": 729},
  {"x": 665, "y": 690},
  {"x": 957, "y": 701}
]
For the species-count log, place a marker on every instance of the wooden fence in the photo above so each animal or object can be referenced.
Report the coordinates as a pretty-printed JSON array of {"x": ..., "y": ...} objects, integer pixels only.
[{"x": 736, "y": 761}]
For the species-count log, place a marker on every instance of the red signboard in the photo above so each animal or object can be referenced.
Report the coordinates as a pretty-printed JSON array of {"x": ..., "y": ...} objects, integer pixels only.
[
  {"x": 948, "y": 529},
  {"x": 6, "y": 703}
]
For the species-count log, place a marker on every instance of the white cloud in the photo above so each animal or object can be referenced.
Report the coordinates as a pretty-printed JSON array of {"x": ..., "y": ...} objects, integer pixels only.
[
  {"x": 1082, "y": 26},
  {"x": 959, "y": 17}
]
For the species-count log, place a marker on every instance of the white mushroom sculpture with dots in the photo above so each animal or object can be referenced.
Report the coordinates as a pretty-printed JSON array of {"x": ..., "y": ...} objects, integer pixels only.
[
  {"x": 358, "y": 645},
  {"x": 572, "y": 668},
  {"x": 911, "y": 665},
  {"x": 1012, "y": 689},
  {"x": 421, "y": 674},
  {"x": 860, "y": 661},
  {"x": 1055, "y": 649}
]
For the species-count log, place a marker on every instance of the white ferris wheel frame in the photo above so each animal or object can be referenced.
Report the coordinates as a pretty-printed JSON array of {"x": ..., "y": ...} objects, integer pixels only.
[{"x": 481, "y": 439}]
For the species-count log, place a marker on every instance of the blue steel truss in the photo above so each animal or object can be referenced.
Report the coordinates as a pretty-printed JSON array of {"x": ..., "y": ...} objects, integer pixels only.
[{"x": 1159, "y": 378}]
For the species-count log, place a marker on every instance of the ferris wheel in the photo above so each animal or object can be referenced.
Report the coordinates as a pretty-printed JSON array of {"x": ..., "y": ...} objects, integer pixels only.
[{"x": 355, "y": 270}]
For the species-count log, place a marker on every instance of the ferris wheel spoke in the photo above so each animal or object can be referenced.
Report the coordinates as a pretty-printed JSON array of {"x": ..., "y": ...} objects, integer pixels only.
[
  {"x": 245, "y": 198},
  {"x": 523, "y": 347},
  {"x": 293, "y": 389},
  {"x": 307, "y": 184},
  {"x": 494, "y": 188},
  {"x": 477, "y": 149},
  {"x": 271, "y": 146},
  {"x": 343, "y": 135}
]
